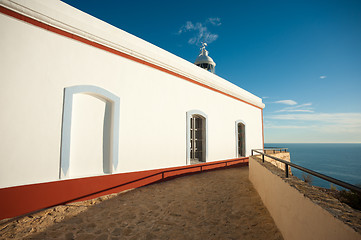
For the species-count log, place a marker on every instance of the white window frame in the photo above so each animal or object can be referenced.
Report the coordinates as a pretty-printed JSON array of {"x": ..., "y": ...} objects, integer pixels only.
[{"x": 188, "y": 137}]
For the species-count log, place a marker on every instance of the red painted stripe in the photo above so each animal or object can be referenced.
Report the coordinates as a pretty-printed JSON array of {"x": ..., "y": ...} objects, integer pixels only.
[
  {"x": 97, "y": 45},
  {"x": 19, "y": 200}
]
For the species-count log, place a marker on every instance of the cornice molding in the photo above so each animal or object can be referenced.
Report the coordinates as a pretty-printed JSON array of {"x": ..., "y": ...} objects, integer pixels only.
[{"x": 184, "y": 69}]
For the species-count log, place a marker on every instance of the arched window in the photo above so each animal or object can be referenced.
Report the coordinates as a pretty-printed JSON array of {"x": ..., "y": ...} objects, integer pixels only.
[
  {"x": 90, "y": 117},
  {"x": 240, "y": 138},
  {"x": 196, "y": 137}
]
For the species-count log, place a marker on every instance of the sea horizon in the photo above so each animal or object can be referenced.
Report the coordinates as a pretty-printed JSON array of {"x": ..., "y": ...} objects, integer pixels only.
[{"x": 338, "y": 160}]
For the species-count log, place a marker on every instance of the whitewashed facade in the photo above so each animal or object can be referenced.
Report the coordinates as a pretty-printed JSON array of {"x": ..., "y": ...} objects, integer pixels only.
[{"x": 82, "y": 98}]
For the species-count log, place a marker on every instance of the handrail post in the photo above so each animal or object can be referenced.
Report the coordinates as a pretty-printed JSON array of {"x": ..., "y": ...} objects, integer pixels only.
[
  {"x": 263, "y": 157},
  {"x": 252, "y": 152},
  {"x": 286, "y": 170}
]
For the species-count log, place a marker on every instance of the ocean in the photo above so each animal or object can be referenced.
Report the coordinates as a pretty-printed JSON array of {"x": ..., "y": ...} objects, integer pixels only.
[{"x": 338, "y": 160}]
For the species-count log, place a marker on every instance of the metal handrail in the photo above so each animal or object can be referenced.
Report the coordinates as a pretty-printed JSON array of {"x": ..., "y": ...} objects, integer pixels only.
[
  {"x": 274, "y": 149},
  {"x": 317, "y": 174}
]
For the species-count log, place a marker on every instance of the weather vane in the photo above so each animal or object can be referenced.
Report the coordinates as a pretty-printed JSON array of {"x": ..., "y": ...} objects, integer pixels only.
[{"x": 204, "y": 44}]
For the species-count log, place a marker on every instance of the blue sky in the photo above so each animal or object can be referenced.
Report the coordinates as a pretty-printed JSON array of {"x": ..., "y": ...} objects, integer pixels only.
[{"x": 302, "y": 57}]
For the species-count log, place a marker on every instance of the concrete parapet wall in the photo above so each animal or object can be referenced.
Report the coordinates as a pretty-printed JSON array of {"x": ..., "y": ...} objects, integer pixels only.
[
  {"x": 282, "y": 155},
  {"x": 295, "y": 211}
]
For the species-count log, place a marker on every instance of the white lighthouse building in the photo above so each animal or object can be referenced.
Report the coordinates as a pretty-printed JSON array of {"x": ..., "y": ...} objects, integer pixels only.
[{"x": 87, "y": 108}]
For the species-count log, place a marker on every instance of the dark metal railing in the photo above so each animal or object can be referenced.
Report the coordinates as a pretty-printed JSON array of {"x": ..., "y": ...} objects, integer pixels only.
[
  {"x": 200, "y": 166},
  {"x": 317, "y": 174},
  {"x": 275, "y": 149}
]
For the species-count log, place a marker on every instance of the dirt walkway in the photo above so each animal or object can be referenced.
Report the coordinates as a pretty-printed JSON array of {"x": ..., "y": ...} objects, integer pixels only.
[{"x": 219, "y": 204}]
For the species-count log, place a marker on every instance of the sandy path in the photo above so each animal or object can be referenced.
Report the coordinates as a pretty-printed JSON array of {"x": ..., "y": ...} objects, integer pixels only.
[{"x": 218, "y": 204}]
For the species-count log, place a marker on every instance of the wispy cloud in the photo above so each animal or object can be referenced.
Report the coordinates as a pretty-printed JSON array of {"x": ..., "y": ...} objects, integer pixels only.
[
  {"x": 328, "y": 117},
  {"x": 264, "y": 97},
  {"x": 214, "y": 21},
  {"x": 298, "y": 108},
  {"x": 313, "y": 127},
  {"x": 200, "y": 31},
  {"x": 285, "y": 126},
  {"x": 323, "y": 77},
  {"x": 348, "y": 120},
  {"x": 322, "y": 122},
  {"x": 287, "y": 102}
]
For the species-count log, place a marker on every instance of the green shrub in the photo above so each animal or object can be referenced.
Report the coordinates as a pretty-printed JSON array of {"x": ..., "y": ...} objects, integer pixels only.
[
  {"x": 351, "y": 198},
  {"x": 307, "y": 178}
]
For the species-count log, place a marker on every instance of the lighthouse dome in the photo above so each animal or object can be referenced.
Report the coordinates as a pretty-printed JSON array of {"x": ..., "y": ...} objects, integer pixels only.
[{"x": 205, "y": 61}]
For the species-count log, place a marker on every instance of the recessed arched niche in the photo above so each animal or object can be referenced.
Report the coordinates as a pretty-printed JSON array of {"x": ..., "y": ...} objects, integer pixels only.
[{"x": 90, "y": 132}]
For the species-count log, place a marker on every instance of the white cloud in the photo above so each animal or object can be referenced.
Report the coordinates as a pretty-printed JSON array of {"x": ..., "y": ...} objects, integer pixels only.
[
  {"x": 323, "y": 77},
  {"x": 214, "y": 21},
  {"x": 295, "y": 110},
  {"x": 304, "y": 105},
  {"x": 313, "y": 127},
  {"x": 264, "y": 97},
  {"x": 287, "y": 102},
  {"x": 320, "y": 127},
  {"x": 200, "y": 31},
  {"x": 285, "y": 126},
  {"x": 346, "y": 122},
  {"x": 189, "y": 26},
  {"x": 299, "y": 108}
]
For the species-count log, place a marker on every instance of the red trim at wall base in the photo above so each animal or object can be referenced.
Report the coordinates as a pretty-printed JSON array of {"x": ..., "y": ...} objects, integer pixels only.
[{"x": 19, "y": 200}]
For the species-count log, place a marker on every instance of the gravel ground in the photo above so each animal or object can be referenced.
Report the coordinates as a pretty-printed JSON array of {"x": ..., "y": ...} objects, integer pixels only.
[{"x": 219, "y": 204}]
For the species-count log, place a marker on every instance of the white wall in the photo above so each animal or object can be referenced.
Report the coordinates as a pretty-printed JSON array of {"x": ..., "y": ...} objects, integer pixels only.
[
  {"x": 36, "y": 65},
  {"x": 86, "y": 142}
]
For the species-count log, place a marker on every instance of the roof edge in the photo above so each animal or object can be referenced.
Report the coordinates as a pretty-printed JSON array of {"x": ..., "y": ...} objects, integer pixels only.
[{"x": 61, "y": 15}]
